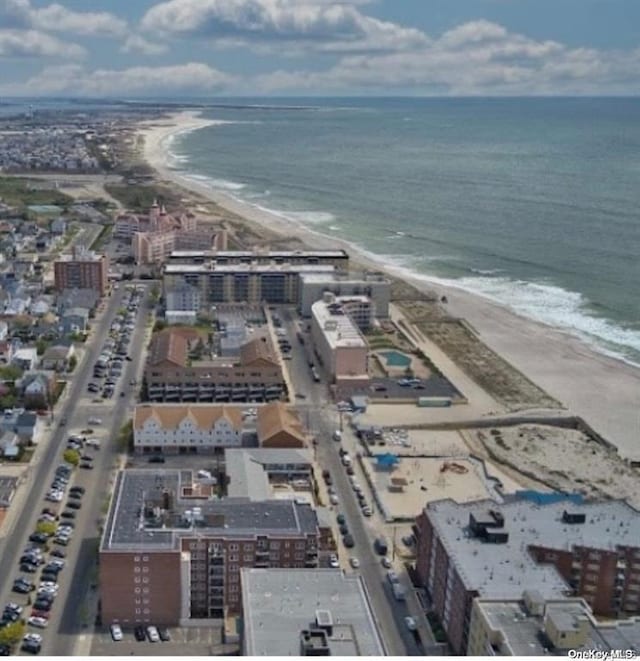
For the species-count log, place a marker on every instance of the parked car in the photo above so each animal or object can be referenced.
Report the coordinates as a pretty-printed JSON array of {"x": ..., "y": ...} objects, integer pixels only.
[
  {"x": 410, "y": 623},
  {"x": 164, "y": 634},
  {"x": 39, "y": 622},
  {"x": 348, "y": 541},
  {"x": 386, "y": 563},
  {"x": 59, "y": 553},
  {"x": 116, "y": 632},
  {"x": 28, "y": 568},
  {"x": 153, "y": 635},
  {"x": 333, "y": 561},
  {"x": 354, "y": 562},
  {"x": 140, "y": 633}
]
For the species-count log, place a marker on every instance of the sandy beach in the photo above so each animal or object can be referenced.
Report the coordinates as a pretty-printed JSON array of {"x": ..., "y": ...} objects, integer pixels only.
[{"x": 602, "y": 390}]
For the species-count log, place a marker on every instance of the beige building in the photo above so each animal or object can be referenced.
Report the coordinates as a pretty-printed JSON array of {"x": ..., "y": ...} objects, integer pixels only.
[
  {"x": 339, "y": 344},
  {"x": 83, "y": 269},
  {"x": 171, "y": 376},
  {"x": 533, "y": 626},
  {"x": 186, "y": 429}
]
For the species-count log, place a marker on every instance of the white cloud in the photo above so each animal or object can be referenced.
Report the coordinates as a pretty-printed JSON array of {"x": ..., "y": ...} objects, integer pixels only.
[
  {"x": 475, "y": 58},
  {"x": 138, "y": 44},
  {"x": 193, "y": 77},
  {"x": 33, "y": 43},
  {"x": 320, "y": 25},
  {"x": 57, "y": 18}
]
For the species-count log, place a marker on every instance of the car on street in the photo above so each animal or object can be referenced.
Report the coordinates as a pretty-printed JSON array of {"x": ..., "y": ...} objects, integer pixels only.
[
  {"x": 410, "y": 623},
  {"x": 367, "y": 511},
  {"x": 86, "y": 464},
  {"x": 354, "y": 562},
  {"x": 333, "y": 498},
  {"x": 344, "y": 529},
  {"x": 348, "y": 541},
  {"x": 153, "y": 635},
  {"x": 386, "y": 563},
  {"x": 74, "y": 505},
  {"x": 116, "y": 632},
  {"x": 333, "y": 561},
  {"x": 79, "y": 490}
]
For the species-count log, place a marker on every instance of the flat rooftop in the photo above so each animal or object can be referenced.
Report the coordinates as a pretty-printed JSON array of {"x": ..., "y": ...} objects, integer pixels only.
[
  {"x": 337, "y": 326},
  {"x": 523, "y": 633},
  {"x": 272, "y": 254},
  {"x": 211, "y": 267},
  {"x": 278, "y": 604},
  {"x": 351, "y": 277},
  {"x": 503, "y": 571},
  {"x": 140, "y": 518}
]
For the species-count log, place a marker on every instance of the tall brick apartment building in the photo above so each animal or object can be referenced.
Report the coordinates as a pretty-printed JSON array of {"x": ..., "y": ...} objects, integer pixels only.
[
  {"x": 495, "y": 551},
  {"x": 172, "y": 550},
  {"x": 83, "y": 269}
]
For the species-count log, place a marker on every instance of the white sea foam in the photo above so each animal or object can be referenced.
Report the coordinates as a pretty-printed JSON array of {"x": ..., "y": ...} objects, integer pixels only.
[
  {"x": 223, "y": 184},
  {"x": 554, "y": 306},
  {"x": 310, "y": 217}
]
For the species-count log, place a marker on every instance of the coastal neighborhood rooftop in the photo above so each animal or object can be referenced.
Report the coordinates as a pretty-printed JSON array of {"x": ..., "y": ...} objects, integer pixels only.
[
  {"x": 504, "y": 570},
  {"x": 329, "y": 606},
  {"x": 338, "y": 328},
  {"x": 155, "y": 509}
]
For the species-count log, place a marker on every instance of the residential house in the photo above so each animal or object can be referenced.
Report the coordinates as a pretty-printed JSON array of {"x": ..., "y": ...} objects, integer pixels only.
[
  {"x": 76, "y": 298},
  {"x": 20, "y": 422},
  {"x": 9, "y": 445},
  {"x": 58, "y": 356},
  {"x": 26, "y": 358},
  {"x": 36, "y": 389},
  {"x": 58, "y": 226},
  {"x": 75, "y": 320}
]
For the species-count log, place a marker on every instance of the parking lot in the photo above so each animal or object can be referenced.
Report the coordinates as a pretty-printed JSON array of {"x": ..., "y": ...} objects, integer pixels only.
[
  {"x": 185, "y": 641},
  {"x": 434, "y": 386}
]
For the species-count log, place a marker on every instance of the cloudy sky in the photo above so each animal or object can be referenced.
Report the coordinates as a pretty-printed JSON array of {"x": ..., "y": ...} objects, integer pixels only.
[{"x": 318, "y": 47}]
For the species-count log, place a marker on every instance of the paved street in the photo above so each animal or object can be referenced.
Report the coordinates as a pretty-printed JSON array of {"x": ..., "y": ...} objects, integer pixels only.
[
  {"x": 71, "y": 612},
  {"x": 322, "y": 419}
]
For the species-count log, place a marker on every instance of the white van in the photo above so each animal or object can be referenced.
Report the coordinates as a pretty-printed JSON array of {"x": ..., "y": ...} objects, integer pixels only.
[
  {"x": 94, "y": 421},
  {"x": 93, "y": 443}
]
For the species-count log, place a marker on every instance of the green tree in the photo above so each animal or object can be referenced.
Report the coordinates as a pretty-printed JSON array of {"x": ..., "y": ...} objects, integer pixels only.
[
  {"x": 71, "y": 457},
  {"x": 47, "y": 527},
  {"x": 8, "y": 401},
  {"x": 12, "y": 634},
  {"x": 10, "y": 373},
  {"x": 41, "y": 346},
  {"x": 73, "y": 362}
]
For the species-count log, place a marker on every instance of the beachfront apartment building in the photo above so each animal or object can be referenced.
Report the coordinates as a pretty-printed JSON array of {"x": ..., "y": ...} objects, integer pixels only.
[
  {"x": 186, "y": 429},
  {"x": 375, "y": 286},
  {"x": 533, "y": 626},
  {"x": 82, "y": 269},
  {"x": 488, "y": 550},
  {"x": 252, "y": 283},
  {"x": 173, "y": 551},
  {"x": 337, "y": 258},
  {"x": 339, "y": 345},
  {"x": 170, "y": 375}
]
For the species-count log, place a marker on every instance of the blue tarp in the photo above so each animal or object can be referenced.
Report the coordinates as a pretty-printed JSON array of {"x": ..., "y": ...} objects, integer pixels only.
[
  {"x": 386, "y": 460},
  {"x": 545, "y": 498}
]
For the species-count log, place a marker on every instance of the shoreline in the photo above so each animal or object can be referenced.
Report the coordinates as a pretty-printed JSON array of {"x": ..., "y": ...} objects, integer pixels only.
[{"x": 603, "y": 390}]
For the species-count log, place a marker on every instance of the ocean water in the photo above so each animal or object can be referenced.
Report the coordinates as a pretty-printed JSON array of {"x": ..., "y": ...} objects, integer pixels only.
[{"x": 534, "y": 203}]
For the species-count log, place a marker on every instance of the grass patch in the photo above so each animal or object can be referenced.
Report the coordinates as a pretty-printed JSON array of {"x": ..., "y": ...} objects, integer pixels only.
[
  {"x": 101, "y": 239},
  {"x": 19, "y": 192},
  {"x": 140, "y": 198}
]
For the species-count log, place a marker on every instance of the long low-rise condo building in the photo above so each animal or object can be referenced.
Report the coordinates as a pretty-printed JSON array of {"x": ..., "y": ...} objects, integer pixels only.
[
  {"x": 338, "y": 258},
  {"x": 255, "y": 375},
  {"x": 237, "y": 283},
  {"x": 172, "y": 550},
  {"x": 186, "y": 429}
]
